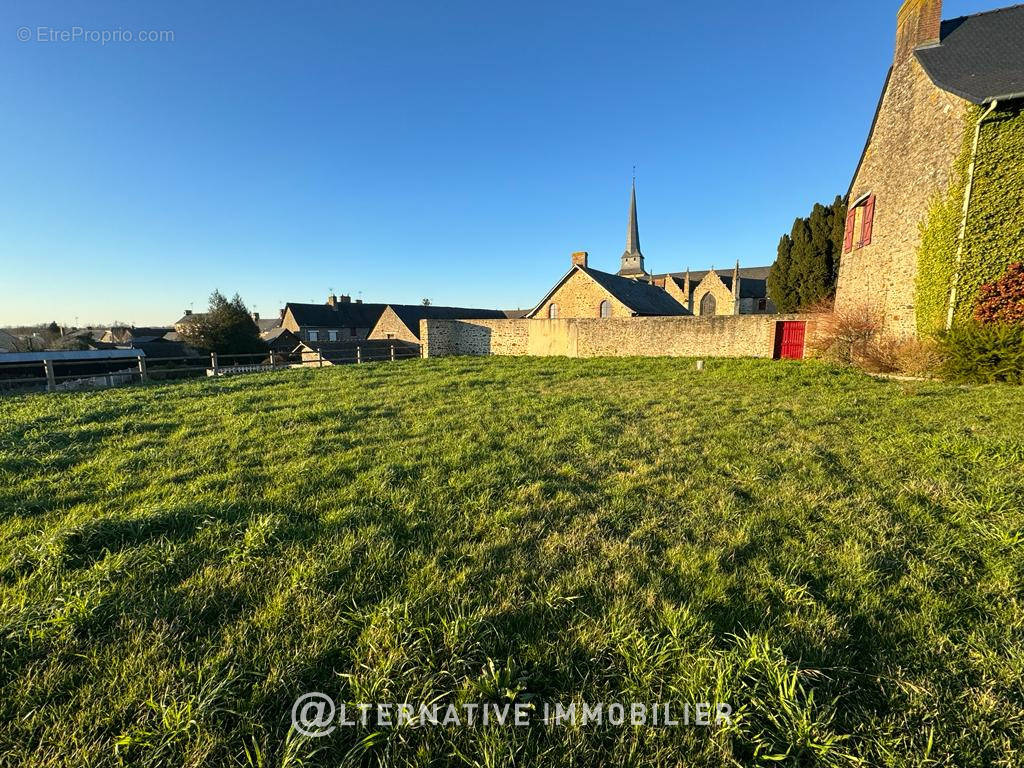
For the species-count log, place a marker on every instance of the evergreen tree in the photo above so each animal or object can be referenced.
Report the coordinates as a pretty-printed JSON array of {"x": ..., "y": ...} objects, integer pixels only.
[
  {"x": 839, "y": 210},
  {"x": 807, "y": 264},
  {"x": 226, "y": 327},
  {"x": 778, "y": 279}
]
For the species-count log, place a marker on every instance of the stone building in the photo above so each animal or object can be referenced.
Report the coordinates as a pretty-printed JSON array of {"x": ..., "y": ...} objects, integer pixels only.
[
  {"x": 586, "y": 292},
  {"x": 402, "y": 321},
  {"x": 939, "y": 69},
  {"x": 340, "y": 319},
  {"x": 707, "y": 293}
]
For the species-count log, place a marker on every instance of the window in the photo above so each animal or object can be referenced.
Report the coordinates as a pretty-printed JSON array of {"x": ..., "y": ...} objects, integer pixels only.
[
  {"x": 553, "y": 312},
  {"x": 605, "y": 309},
  {"x": 707, "y": 304},
  {"x": 332, "y": 335},
  {"x": 313, "y": 336},
  {"x": 762, "y": 305},
  {"x": 860, "y": 220},
  {"x": 352, "y": 331}
]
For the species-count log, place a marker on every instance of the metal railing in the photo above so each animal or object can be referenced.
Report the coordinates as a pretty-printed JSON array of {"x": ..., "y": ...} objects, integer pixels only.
[{"x": 109, "y": 372}]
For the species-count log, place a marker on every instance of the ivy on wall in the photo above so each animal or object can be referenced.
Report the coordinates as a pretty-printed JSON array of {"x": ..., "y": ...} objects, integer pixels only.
[{"x": 995, "y": 225}]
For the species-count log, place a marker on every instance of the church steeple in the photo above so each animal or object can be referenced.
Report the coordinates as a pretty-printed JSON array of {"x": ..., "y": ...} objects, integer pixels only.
[{"x": 632, "y": 258}]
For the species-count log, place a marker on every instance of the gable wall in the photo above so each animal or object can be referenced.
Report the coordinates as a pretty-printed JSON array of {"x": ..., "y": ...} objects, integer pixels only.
[
  {"x": 391, "y": 323},
  {"x": 907, "y": 163},
  {"x": 580, "y": 296},
  {"x": 725, "y": 304}
]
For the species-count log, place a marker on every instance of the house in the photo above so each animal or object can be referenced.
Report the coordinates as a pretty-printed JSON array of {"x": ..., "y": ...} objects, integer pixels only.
[
  {"x": 707, "y": 293},
  {"x": 323, "y": 353},
  {"x": 263, "y": 323},
  {"x": 950, "y": 107},
  {"x": 9, "y": 342},
  {"x": 132, "y": 334},
  {"x": 587, "y": 292},
  {"x": 402, "y": 321},
  {"x": 340, "y": 319},
  {"x": 281, "y": 341}
]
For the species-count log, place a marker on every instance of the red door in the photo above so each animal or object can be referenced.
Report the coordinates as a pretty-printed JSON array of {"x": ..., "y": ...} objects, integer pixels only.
[{"x": 789, "y": 339}]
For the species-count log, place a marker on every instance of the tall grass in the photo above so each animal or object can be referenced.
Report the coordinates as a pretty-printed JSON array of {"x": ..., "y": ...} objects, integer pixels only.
[{"x": 840, "y": 559}]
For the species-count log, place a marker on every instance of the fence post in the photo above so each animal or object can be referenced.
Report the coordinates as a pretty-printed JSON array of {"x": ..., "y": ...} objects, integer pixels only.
[
  {"x": 272, "y": 363},
  {"x": 359, "y": 355},
  {"x": 319, "y": 359},
  {"x": 213, "y": 363},
  {"x": 392, "y": 353},
  {"x": 143, "y": 376},
  {"x": 51, "y": 380}
]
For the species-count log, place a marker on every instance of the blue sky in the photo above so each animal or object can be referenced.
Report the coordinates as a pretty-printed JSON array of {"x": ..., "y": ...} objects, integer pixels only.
[{"x": 398, "y": 150}]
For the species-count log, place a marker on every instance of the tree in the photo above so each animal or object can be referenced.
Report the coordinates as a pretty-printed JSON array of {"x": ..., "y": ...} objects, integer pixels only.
[
  {"x": 225, "y": 328},
  {"x": 779, "y": 287},
  {"x": 807, "y": 263}
]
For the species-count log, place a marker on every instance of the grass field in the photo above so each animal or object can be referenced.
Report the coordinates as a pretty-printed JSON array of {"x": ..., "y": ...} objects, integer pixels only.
[{"x": 840, "y": 559}]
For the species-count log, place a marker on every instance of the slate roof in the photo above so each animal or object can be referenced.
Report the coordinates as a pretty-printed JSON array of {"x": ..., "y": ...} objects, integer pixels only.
[
  {"x": 979, "y": 57},
  {"x": 640, "y": 296},
  {"x": 754, "y": 273},
  {"x": 411, "y": 314},
  {"x": 274, "y": 333},
  {"x": 341, "y": 315}
]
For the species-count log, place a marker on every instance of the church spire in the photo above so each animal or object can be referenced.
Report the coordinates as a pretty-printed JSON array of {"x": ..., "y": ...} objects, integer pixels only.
[{"x": 632, "y": 258}]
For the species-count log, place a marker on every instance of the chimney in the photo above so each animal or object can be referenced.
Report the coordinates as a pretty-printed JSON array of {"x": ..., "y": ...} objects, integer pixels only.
[
  {"x": 282, "y": 313},
  {"x": 918, "y": 24},
  {"x": 579, "y": 259},
  {"x": 359, "y": 301},
  {"x": 332, "y": 300},
  {"x": 344, "y": 299},
  {"x": 188, "y": 312},
  {"x": 255, "y": 317}
]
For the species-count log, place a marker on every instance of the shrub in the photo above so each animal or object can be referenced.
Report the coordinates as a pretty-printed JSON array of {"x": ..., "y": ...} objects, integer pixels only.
[
  {"x": 909, "y": 356},
  {"x": 984, "y": 353},
  {"x": 854, "y": 337},
  {"x": 843, "y": 337},
  {"x": 1003, "y": 300}
]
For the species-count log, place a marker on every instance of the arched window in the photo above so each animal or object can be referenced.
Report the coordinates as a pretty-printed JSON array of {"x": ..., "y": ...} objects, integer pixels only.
[
  {"x": 553, "y": 312},
  {"x": 605, "y": 309},
  {"x": 707, "y": 304}
]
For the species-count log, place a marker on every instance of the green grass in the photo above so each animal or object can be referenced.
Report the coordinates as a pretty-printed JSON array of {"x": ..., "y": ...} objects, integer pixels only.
[{"x": 839, "y": 558}]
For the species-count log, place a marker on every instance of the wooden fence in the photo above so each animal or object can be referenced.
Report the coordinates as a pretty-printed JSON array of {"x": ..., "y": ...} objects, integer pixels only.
[{"x": 59, "y": 372}]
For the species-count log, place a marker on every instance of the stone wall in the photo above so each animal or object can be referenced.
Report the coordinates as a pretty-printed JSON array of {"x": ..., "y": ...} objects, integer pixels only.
[
  {"x": 906, "y": 165},
  {"x": 731, "y": 336}
]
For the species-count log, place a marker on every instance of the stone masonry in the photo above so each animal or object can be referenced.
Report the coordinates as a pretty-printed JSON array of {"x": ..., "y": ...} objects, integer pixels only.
[
  {"x": 580, "y": 296},
  {"x": 907, "y": 162},
  {"x": 680, "y": 336}
]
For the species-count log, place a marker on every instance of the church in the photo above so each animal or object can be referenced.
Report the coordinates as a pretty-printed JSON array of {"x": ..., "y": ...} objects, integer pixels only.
[{"x": 633, "y": 292}]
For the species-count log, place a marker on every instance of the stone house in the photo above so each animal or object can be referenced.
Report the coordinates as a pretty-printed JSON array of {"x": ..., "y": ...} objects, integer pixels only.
[
  {"x": 586, "y": 292},
  {"x": 402, "y": 321},
  {"x": 919, "y": 128},
  {"x": 340, "y": 319}
]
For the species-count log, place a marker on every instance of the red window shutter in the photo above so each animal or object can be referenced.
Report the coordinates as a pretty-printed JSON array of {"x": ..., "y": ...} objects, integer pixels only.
[
  {"x": 851, "y": 218},
  {"x": 869, "y": 218}
]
